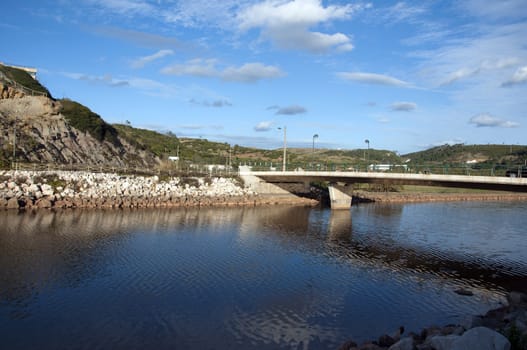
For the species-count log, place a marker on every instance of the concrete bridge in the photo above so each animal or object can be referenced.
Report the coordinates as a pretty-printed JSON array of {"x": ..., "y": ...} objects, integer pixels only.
[{"x": 264, "y": 181}]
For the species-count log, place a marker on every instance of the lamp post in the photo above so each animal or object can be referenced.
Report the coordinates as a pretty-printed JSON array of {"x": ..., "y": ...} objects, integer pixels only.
[
  {"x": 285, "y": 148},
  {"x": 367, "y": 154},
  {"x": 314, "y": 137}
]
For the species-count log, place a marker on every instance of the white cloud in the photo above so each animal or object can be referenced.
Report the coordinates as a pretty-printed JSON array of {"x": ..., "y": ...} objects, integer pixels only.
[
  {"x": 199, "y": 127},
  {"x": 488, "y": 120},
  {"x": 247, "y": 73},
  {"x": 372, "y": 78},
  {"x": 519, "y": 77},
  {"x": 155, "y": 88},
  {"x": 458, "y": 75},
  {"x": 147, "y": 86},
  {"x": 483, "y": 66},
  {"x": 404, "y": 106},
  {"x": 481, "y": 54},
  {"x": 291, "y": 110},
  {"x": 106, "y": 79},
  {"x": 139, "y": 38},
  {"x": 250, "y": 73},
  {"x": 497, "y": 10},
  {"x": 215, "y": 103},
  {"x": 200, "y": 13},
  {"x": 287, "y": 23},
  {"x": 197, "y": 67},
  {"x": 125, "y": 7},
  {"x": 263, "y": 126},
  {"x": 400, "y": 12},
  {"x": 415, "y": 14},
  {"x": 142, "y": 61}
]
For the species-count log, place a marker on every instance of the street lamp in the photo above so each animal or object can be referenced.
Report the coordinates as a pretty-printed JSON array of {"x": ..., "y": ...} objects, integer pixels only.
[
  {"x": 314, "y": 137},
  {"x": 367, "y": 154},
  {"x": 285, "y": 147}
]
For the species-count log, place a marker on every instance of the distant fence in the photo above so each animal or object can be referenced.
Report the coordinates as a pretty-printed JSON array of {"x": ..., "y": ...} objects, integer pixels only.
[
  {"x": 25, "y": 89},
  {"x": 184, "y": 171},
  {"x": 455, "y": 169},
  {"x": 188, "y": 169}
]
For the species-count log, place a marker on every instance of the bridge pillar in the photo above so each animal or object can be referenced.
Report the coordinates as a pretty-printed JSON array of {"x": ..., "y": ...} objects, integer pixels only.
[{"x": 338, "y": 198}]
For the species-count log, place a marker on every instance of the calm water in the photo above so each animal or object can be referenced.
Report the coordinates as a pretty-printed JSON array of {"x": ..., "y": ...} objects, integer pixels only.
[{"x": 251, "y": 278}]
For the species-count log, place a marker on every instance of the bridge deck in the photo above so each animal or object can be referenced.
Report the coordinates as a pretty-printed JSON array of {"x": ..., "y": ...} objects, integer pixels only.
[{"x": 459, "y": 181}]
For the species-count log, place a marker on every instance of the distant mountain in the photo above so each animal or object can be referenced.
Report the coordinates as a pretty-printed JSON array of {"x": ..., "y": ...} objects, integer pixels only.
[{"x": 506, "y": 155}]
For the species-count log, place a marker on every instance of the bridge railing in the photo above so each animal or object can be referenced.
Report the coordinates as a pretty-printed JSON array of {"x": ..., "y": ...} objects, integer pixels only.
[
  {"x": 25, "y": 89},
  {"x": 456, "y": 169},
  {"x": 188, "y": 168}
]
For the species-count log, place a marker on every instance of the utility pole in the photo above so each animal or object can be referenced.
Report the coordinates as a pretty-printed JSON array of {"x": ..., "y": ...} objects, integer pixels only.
[
  {"x": 230, "y": 159},
  {"x": 15, "y": 166},
  {"x": 367, "y": 154},
  {"x": 285, "y": 148}
]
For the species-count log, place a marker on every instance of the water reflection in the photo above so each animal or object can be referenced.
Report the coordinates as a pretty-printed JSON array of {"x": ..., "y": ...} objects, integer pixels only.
[
  {"x": 339, "y": 226},
  {"x": 38, "y": 247},
  {"x": 265, "y": 277}
]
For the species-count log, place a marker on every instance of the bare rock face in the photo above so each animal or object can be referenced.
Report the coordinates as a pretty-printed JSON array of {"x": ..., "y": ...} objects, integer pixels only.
[
  {"x": 45, "y": 136},
  {"x": 7, "y": 92}
]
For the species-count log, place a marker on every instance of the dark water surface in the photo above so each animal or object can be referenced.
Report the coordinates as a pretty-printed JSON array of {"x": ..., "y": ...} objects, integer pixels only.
[{"x": 251, "y": 278}]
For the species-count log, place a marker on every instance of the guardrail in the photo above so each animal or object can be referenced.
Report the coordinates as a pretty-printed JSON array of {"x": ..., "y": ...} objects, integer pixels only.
[
  {"x": 496, "y": 170},
  {"x": 25, "y": 89},
  {"x": 205, "y": 170}
]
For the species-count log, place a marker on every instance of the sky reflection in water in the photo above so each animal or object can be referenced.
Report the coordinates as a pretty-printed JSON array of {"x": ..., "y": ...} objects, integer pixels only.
[{"x": 241, "y": 278}]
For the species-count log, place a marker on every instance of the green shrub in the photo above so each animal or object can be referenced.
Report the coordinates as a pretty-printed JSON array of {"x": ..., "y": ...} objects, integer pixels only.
[
  {"x": 23, "y": 78},
  {"x": 155, "y": 142},
  {"x": 83, "y": 119}
]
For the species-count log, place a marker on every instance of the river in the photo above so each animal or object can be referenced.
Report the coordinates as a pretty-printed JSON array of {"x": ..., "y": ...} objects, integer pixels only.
[{"x": 252, "y": 278}]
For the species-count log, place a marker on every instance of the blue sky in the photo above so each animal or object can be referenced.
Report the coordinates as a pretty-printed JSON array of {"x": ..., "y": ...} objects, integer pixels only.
[{"x": 404, "y": 75}]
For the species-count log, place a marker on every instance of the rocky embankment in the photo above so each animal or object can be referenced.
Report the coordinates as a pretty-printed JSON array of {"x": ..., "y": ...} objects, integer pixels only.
[
  {"x": 30, "y": 190},
  {"x": 503, "y": 328},
  {"x": 402, "y": 197}
]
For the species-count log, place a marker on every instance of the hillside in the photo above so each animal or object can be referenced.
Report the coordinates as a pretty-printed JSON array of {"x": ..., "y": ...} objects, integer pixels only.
[
  {"x": 22, "y": 80},
  {"x": 475, "y": 156},
  {"x": 57, "y": 132},
  {"x": 64, "y": 132}
]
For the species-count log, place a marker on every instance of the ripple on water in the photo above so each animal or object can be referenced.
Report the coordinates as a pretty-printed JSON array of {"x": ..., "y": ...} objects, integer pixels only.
[{"x": 248, "y": 278}]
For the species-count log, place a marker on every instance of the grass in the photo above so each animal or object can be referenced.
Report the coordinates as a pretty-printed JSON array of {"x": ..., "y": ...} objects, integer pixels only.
[
  {"x": 23, "y": 78},
  {"x": 83, "y": 119},
  {"x": 161, "y": 145},
  {"x": 487, "y": 157}
]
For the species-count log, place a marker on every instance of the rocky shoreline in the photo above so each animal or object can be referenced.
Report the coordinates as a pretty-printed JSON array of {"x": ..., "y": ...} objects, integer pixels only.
[
  {"x": 503, "y": 328},
  {"x": 402, "y": 197},
  {"x": 64, "y": 189},
  {"x": 78, "y": 189}
]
